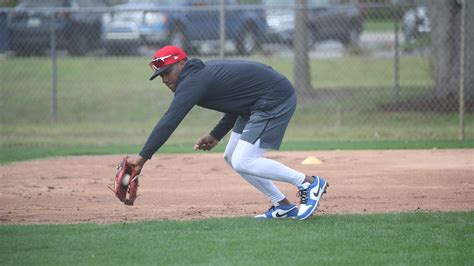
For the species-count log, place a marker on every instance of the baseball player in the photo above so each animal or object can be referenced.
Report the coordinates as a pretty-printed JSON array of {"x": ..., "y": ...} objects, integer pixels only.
[{"x": 257, "y": 103}]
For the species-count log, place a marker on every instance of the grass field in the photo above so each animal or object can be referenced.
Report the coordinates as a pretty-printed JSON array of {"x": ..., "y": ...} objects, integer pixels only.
[
  {"x": 379, "y": 26},
  {"x": 98, "y": 89},
  {"x": 12, "y": 154},
  {"x": 98, "y": 96},
  {"x": 396, "y": 238}
]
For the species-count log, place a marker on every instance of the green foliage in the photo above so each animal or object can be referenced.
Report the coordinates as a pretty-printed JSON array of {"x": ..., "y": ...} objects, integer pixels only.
[
  {"x": 8, "y": 3},
  {"x": 377, "y": 239}
]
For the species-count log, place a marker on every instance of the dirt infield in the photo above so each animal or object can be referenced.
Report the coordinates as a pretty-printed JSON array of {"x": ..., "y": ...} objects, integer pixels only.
[{"x": 195, "y": 186}]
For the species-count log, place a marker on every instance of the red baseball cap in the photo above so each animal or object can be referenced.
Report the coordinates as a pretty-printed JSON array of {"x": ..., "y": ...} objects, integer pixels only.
[{"x": 164, "y": 58}]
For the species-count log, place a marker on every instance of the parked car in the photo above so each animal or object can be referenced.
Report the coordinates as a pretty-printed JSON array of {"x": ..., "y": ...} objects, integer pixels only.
[
  {"x": 416, "y": 23},
  {"x": 341, "y": 22},
  {"x": 186, "y": 23},
  {"x": 29, "y": 26}
]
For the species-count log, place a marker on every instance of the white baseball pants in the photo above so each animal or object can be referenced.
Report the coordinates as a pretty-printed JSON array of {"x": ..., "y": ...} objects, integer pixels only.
[{"x": 247, "y": 160}]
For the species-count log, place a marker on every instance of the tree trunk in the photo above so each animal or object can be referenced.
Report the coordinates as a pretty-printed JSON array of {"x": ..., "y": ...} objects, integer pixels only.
[
  {"x": 468, "y": 51},
  {"x": 446, "y": 24},
  {"x": 301, "y": 68}
]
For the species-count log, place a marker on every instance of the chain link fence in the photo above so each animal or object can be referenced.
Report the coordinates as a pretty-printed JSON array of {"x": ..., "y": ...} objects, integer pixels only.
[{"x": 75, "y": 72}]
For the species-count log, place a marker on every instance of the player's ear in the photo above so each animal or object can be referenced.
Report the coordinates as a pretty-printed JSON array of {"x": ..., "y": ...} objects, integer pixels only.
[{"x": 182, "y": 62}]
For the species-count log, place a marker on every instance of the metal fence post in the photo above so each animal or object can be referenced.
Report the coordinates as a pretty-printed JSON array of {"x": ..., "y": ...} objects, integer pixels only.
[
  {"x": 54, "y": 80},
  {"x": 396, "y": 88},
  {"x": 461, "y": 71},
  {"x": 222, "y": 29}
]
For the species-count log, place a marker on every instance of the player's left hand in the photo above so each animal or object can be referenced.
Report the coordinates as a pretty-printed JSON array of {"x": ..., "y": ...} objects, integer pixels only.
[
  {"x": 206, "y": 143},
  {"x": 126, "y": 181}
]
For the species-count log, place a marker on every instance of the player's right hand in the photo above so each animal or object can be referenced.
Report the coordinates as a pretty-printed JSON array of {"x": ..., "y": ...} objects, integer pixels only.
[{"x": 205, "y": 143}]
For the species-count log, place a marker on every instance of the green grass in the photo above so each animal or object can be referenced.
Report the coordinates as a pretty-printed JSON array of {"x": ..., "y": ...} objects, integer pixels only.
[
  {"x": 12, "y": 154},
  {"x": 360, "y": 71},
  {"x": 380, "y": 26},
  {"x": 107, "y": 103},
  {"x": 397, "y": 238},
  {"x": 117, "y": 89}
]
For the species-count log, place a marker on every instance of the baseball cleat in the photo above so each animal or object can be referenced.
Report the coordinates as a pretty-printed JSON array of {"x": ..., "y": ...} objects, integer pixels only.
[
  {"x": 310, "y": 194},
  {"x": 279, "y": 211}
]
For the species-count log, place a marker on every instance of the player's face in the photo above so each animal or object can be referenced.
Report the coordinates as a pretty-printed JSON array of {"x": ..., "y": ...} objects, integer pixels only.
[{"x": 171, "y": 76}]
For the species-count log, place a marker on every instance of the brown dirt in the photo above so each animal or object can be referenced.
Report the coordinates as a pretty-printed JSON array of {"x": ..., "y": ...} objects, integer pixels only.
[{"x": 196, "y": 186}]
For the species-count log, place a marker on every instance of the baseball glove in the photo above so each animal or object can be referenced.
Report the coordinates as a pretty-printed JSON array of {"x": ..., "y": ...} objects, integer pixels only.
[{"x": 126, "y": 182}]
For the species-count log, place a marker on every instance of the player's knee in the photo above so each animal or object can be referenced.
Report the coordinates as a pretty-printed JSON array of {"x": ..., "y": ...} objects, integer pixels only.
[
  {"x": 228, "y": 159},
  {"x": 236, "y": 163},
  {"x": 242, "y": 164}
]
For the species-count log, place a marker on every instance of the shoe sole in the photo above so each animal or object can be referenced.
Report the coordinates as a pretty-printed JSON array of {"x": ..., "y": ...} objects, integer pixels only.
[
  {"x": 283, "y": 217},
  {"x": 326, "y": 185}
]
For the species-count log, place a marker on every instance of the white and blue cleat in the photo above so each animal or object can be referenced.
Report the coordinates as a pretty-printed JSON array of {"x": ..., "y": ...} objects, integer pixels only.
[
  {"x": 279, "y": 211},
  {"x": 310, "y": 194}
]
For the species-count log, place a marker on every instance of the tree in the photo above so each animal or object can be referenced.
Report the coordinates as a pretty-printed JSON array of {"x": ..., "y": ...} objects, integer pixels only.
[
  {"x": 301, "y": 68},
  {"x": 445, "y": 16},
  {"x": 446, "y": 36},
  {"x": 469, "y": 52}
]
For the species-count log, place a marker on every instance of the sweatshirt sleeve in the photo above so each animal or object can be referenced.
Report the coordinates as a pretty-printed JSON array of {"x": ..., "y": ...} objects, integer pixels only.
[
  {"x": 225, "y": 124},
  {"x": 184, "y": 100}
]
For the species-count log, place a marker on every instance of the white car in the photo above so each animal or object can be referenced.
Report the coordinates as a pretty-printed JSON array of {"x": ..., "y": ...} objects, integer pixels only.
[{"x": 415, "y": 23}]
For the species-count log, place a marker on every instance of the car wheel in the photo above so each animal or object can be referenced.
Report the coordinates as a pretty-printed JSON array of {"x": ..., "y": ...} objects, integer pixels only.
[
  {"x": 78, "y": 45},
  {"x": 178, "y": 38},
  {"x": 351, "y": 38},
  {"x": 408, "y": 33},
  {"x": 122, "y": 49},
  {"x": 312, "y": 39},
  {"x": 21, "y": 50},
  {"x": 248, "y": 43}
]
